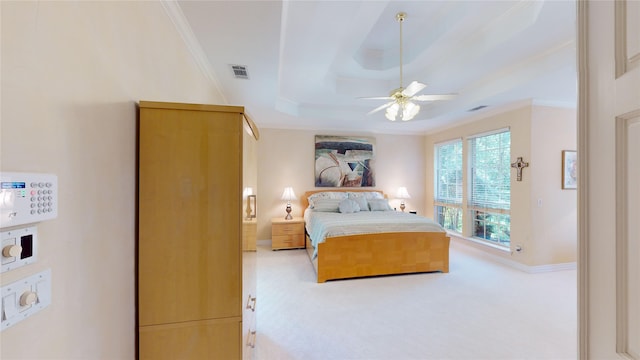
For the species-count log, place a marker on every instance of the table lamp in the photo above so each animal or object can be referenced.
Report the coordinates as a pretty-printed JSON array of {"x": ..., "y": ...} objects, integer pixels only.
[
  {"x": 288, "y": 195},
  {"x": 402, "y": 194}
]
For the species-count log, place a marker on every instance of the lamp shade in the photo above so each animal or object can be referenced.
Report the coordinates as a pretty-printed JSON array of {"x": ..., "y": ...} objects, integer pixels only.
[
  {"x": 402, "y": 193},
  {"x": 247, "y": 191},
  {"x": 392, "y": 111},
  {"x": 409, "y": 111},
  {"x": 406, "y": 110},
  {"x": 288, "y": 194}
]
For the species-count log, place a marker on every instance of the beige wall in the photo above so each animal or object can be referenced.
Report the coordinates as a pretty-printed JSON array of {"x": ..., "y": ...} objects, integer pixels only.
[
  {"x": 287, "y": 158},
  {"x": 547, "y": 233},
  {"x": 553, "y": 221},
  {"x": 72, "y": 73}
]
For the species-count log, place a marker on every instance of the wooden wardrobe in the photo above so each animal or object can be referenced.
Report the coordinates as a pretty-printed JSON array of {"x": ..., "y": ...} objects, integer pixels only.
[{"x": 190, "y": 262}]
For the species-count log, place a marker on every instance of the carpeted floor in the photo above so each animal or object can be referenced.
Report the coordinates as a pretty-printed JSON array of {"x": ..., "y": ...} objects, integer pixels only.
[{"x": 479, "y": 310}]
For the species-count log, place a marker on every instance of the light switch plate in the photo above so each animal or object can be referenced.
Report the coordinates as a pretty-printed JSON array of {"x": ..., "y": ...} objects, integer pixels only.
[
  {"x": 27, "y": 239},
  {"x": 17, "y": 298}
]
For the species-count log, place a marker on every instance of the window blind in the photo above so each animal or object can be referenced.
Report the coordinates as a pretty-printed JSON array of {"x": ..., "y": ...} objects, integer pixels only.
[
  {"x": 490, "y": 164},
  {"x": 448, "y": 172}
]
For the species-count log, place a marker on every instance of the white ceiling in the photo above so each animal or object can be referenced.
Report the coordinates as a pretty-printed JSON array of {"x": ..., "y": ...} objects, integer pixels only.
[{"x": 310, "y": 62}]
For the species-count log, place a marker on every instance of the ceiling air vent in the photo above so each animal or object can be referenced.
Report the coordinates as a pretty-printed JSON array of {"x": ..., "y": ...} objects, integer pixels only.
[
  {"x": 240, "y": 72},
  {"x": 478, "y": 108}
]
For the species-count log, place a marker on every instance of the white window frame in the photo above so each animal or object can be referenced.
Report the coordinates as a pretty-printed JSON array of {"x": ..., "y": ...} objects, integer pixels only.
[
  {"x": 451, "y": 204},
  {"x": 497, "y": 207}
]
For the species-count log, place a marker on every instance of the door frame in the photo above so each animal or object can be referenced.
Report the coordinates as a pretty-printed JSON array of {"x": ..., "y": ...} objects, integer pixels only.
[{"x": 583, "y": 184}]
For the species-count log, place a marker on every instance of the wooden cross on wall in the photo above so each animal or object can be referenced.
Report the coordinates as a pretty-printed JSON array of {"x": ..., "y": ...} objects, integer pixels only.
[{"x": 519, "y": 165}]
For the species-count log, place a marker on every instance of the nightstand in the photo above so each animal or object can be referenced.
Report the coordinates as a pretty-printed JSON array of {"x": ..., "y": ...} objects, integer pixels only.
[
  {"x": 287, "y": 234},
  {"x": 249, "y": 230}
]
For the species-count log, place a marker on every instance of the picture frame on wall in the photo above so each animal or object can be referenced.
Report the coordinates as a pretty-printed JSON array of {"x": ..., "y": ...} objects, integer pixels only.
[
  {"x": 344, "y": 161},
  {"x": 569, "y": 170},
  {"x": 251, "y": 207}
]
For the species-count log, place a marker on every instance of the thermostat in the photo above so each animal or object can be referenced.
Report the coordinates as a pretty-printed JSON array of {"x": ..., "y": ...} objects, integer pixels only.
[{"x": 27, "y": 198}]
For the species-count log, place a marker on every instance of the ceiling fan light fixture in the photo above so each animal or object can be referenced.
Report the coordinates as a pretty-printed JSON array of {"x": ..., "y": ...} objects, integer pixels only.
[
  {"x": 401, "y": 106},
  {"x": 409, "y": 111},
  {"x": 392, "y": 112},
  {"x": 405, "y": 110}
]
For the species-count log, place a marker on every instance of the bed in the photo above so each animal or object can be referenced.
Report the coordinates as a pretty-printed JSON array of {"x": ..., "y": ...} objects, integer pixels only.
[{"x": 351, "y": 250}]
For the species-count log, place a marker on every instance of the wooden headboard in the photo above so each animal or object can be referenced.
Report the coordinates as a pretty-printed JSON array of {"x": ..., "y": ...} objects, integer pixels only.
[{"x": 305, "y": 198}]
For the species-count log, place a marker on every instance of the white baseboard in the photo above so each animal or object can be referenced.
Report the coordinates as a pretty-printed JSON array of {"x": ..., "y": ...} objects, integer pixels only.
[{"x": 464, "y": 245}]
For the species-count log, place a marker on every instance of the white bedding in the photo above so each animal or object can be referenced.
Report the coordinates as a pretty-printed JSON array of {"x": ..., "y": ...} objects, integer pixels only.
[{"x": 321, "y": 225}]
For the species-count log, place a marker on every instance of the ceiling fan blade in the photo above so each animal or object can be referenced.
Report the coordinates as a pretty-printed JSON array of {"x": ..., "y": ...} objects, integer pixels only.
[
  {"x": 381, "y": 107},
  {"x": 433, "y": 97},
  {"x": 413, "y": 88},
  {"x": 377, "y": 98}
]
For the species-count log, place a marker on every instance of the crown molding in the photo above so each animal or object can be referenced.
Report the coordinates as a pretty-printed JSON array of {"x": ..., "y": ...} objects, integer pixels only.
[{"x": 173, "y": 10}]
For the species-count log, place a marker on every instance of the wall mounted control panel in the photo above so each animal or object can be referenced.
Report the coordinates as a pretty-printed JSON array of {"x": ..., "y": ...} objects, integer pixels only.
[
  {"x": 19, "y": 247},
  {"x": 24, "y": 298},
  {"x": 27, "y": 198}
]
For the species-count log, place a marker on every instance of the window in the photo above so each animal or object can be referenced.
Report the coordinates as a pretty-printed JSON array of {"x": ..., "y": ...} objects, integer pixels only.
[
  {"x": 449, "y": 217},
  {"x": 490, "y": 187},
  {"x": 448, "y": 183}
]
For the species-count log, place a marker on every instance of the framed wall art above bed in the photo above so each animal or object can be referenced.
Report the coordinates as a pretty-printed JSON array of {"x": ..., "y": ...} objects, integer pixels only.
[{"x": 344, "y": 161}]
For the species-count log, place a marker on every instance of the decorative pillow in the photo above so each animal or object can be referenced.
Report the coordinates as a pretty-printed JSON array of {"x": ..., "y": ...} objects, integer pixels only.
[
  {"x": 360, "y": 200},
  {"x": 326, "y": 195},
  {"x": 327, "y": 205},
  {"x": 379, "y": 205},
  {"x": 348, "y": 206}
]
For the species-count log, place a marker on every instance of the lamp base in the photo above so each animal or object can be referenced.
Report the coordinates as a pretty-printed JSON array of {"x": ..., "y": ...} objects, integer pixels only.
[
  {"x": 288, "y": 217},
  {"x": 248, "y": 211},
  {"x": 402, "y": 207}
]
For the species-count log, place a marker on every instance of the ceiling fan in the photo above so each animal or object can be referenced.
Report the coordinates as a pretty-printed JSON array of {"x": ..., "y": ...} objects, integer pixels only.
[{"x": 402, "y": 105}]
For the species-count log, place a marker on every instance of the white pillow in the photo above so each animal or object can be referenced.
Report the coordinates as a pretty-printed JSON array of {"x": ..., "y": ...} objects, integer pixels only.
[
  {"x": 327, "y": 205},
  {"x": 325, "y": 195},
  {"x": 348, "y": 206},
  {"x": 360, "y": 200},
  {"x": 370, "y": 194},
  {"x": 379, "y": 205}
]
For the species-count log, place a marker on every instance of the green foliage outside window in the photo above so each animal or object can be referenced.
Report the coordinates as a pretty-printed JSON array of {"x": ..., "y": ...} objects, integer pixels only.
[
  {"x": 492, "y": 227},
  {"x": 450, "y": 217},
  {"x": 491, "y": 171}
]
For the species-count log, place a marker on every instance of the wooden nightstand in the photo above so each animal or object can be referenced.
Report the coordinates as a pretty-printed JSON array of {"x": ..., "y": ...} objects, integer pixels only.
[
  {"x": 249, "y": 230},
  {"x": 287, "y": 234}
]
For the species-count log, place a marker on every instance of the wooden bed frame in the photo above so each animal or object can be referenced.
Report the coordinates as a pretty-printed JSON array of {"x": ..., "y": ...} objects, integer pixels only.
[{"x": 390, "y": 253}]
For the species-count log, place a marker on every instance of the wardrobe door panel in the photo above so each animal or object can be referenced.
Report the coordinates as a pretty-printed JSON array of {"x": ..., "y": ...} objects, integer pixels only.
[
  {"x": 194, "y": 340},
  {"x": 189, "y": 227}
]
